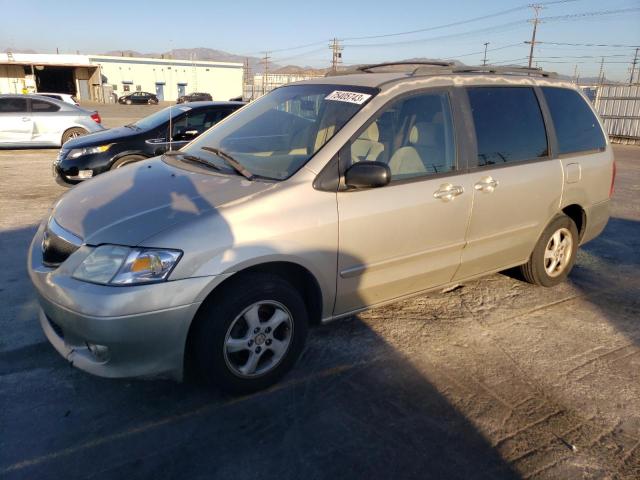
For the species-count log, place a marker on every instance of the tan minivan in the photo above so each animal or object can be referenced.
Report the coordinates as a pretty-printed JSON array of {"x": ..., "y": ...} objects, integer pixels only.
[{"x": 314, "y": 202}]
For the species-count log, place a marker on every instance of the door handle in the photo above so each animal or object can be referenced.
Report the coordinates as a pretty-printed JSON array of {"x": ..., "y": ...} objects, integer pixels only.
[
  {"x": 486, "y": 184},
  {"x": 448, "y": 192}
]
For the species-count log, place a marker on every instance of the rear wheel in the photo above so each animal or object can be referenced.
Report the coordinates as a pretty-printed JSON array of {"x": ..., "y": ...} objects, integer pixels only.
[
  {"x": 248, "y": 336},
  {"x": 73, "y": 133},
  {"x": 121, "y": 162},
  {"x": 152, "y": 101},
  {"x": 554, "y": 254}
]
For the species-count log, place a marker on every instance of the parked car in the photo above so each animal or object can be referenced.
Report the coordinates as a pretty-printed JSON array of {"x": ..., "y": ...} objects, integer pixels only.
[
  {"x": 316, "y": 201},
  {"x": 32, "y": 120},
  {"x": 138, "y": 98},
  {"x": 64, "y": 97},
  {"x": 92, "y": 155},
  {"x": 195, "y": 97}
]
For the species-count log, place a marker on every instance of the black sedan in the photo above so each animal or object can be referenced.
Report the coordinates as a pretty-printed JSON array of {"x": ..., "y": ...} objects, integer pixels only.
[
  {"x": 139, "y": 98},
  {"x": 195, "y": 97},
  {"x": 171, "y": 128}
]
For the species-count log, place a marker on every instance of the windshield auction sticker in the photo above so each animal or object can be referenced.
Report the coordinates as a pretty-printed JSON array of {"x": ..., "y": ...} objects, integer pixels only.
[{"x": 350, "y": 97}]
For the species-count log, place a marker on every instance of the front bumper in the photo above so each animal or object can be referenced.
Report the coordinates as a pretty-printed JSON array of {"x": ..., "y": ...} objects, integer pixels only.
[
  {"x": 115, "y": 331},
  {"x": 67, "y": 171}
]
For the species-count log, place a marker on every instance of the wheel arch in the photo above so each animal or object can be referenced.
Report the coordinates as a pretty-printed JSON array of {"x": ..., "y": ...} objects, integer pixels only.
[
  {"x": 126, "y": 153},
  {"x": 300, "y": 277},
  {"x": 576, "y": 213}
]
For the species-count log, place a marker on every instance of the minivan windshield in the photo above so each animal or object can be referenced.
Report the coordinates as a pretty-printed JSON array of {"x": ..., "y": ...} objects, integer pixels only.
[
  {"x": 277, "y": 134},
  {"x": 156, "y": 119}
]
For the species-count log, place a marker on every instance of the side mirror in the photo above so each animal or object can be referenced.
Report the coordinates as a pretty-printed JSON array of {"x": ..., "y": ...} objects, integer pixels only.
[{"x": 368, "y": 175}]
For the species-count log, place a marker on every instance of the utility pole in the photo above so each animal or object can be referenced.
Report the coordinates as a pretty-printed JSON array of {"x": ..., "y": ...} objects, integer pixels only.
[
  {"x": 484, "y": 60},
  {"x": 601, "y": 74},
  {"x": 535, "y": 20},
  {"x": 265, "y": 78},
  {"x": 336, "y": 51},
  {"x": 575, "y": 74},
  {"x": 633, "y": 66},
  {"x": 247, "y": 79}
]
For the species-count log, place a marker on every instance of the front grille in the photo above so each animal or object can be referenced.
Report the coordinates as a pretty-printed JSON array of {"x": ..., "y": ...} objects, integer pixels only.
[{"x": 57, "y": 244}]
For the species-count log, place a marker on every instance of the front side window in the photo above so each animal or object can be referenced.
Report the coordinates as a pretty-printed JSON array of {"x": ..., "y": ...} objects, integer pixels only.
[
  {"x": 414, "y": 136},
  {"x": 508, "y": 124},
  {"x": 157, "y": 119},
  {"x": 40, "y": 106},
  {"x": 13, "y": 105},
  {"x": 277, "y": 134},
  {"x": 576, "y": 126}
]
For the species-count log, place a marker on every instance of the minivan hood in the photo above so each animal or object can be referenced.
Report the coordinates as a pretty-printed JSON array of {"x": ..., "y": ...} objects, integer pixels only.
[
  {"x": 103, "y": 137},
  {"x": 130, "y": 204}
]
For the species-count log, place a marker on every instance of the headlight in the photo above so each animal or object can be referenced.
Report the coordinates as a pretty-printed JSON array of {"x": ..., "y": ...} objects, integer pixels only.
[
  {"x": 117, "y": 265},
  {"x": 79, "y": 152}
]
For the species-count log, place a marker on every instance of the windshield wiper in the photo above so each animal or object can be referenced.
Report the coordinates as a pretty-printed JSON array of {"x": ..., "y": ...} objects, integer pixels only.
[
  {"x": 232, "y": 162},
  {"x": 191, "y": 158}
]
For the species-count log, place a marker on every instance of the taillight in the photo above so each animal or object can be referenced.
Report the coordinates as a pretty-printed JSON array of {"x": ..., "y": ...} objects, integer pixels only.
[
  {"x": 613, "y": 179},
  {"x": 96, "y": 117}
]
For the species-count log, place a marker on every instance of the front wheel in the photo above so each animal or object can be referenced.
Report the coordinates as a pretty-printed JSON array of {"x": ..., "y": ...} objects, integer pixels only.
[
  {"x": 554, "y": 254},
  {"x": 126, "y": 160},
  {"x": 250, "y": 334},
  {"x": 128, "y": 102},
  {"x": 152, "y": 102}
]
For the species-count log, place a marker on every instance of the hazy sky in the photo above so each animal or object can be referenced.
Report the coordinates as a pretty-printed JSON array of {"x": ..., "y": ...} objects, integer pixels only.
[{"x": 249, "y": 27}]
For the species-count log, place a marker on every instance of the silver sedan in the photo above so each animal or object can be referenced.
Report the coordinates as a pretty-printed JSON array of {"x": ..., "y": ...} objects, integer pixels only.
[{"x": 32, "y": 120}]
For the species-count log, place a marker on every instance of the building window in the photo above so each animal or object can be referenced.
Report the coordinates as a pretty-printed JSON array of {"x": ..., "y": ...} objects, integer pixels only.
[
  {"x": 115, "y": 87},
  {"x": 125, "y": 88},
  {"x": 138, "y": 88}
]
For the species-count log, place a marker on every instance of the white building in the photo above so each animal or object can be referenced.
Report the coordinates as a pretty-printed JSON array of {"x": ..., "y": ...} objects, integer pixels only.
[
  {"x": 94, "y": 77},
  {"x": 265, "y": 83}
]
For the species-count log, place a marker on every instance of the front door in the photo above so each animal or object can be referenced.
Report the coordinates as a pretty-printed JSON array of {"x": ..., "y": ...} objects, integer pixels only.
[
  {"x": 16, "y": 125},
  {"x": 407, "y": 236},
  {"x": 517, "y": 186},
  {"x": 160, "y": 92},
  {"x": 181, "y": 90}
]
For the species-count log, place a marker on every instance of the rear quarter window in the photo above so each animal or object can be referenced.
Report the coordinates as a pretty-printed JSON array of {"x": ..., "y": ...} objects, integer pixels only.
[{"x": 576, "y": 126}]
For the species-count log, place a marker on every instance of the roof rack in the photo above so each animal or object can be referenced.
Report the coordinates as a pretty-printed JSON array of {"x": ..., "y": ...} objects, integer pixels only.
[
  {"x": 506, "y": 70},
  {"x": 368, "y": 67},
  {"x": 438, "y": 68}
]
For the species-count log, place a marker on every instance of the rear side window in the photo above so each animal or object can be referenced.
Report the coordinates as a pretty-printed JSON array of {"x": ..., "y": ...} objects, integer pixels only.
[
  {"x": 576, "y": 126},
  {"x": 11, "y": 105},
  {"x": 508, "y": 124},
  {"x": 42, "y": 106}
]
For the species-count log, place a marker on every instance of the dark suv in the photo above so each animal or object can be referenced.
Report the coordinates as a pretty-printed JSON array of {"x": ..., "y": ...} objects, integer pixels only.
[
  {"x": 145, "y": 98},
  {"x": 169, "y": 129},
  {"x": 195, "y": 97}
]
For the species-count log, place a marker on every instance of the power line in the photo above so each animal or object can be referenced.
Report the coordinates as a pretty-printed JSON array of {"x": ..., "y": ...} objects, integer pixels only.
[
  {"x": 614, "y": 45},
  {"x": 579, "y": 16}
]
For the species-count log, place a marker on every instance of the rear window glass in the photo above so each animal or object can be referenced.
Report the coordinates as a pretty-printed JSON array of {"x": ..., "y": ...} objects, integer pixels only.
[
  {"x": 576, "y": 126},
  {"x": 508, "y": 124}
]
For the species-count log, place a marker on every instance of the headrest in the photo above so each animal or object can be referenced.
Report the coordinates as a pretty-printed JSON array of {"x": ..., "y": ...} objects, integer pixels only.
[
  {"x": 371, "y": 133},
  {"x": 423, "y": 134}
]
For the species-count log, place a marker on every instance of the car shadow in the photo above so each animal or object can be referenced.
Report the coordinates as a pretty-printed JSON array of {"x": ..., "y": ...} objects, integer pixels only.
[{"x": 353, "y": 407}]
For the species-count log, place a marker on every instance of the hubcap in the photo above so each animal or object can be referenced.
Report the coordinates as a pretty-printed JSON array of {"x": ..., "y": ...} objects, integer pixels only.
[
  {"x": 558, "y": 252},
  {"x": 258, "y": 339}
]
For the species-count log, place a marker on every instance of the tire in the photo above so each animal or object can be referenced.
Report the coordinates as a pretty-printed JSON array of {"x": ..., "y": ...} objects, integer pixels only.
[
  {"x": 234, "y": 347},
  {"x": 126, "y": 160},
  {"x": 128, "y": 102},
  {"x": 72, "y": 133},
  {"x": 554, "y": 255},
  {"x": 152, "y": 102}
]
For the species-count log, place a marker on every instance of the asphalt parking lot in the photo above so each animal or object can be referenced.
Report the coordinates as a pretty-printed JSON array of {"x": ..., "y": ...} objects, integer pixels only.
[{"x": 494, "y": 379}]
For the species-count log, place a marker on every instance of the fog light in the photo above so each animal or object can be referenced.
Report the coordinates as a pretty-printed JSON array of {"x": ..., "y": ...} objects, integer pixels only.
[
  {"x": 99, "y": 352},
  {"x": 85, "y": 174}
]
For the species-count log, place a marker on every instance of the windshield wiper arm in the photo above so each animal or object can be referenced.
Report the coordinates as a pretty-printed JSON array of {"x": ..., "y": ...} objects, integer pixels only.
[
  {"x": 191, "y": 158},
  {"x": 232, "y": 162}
]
